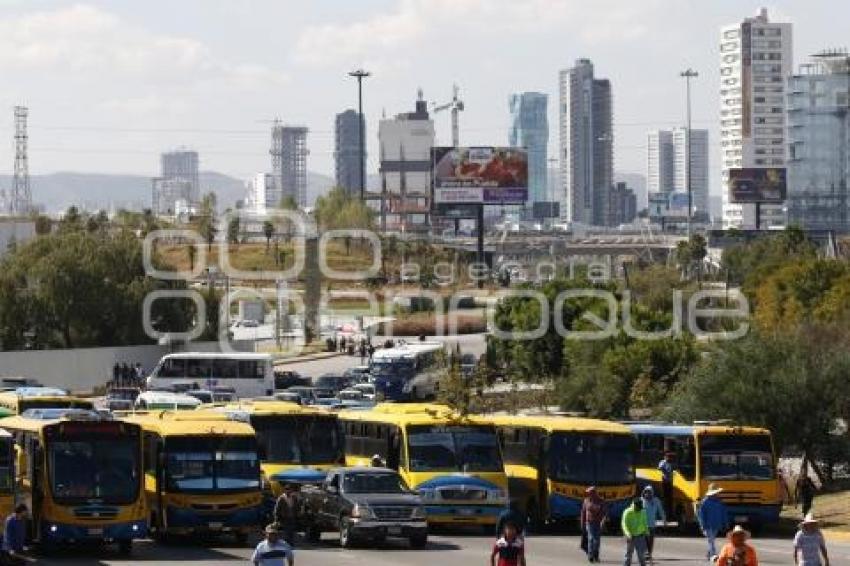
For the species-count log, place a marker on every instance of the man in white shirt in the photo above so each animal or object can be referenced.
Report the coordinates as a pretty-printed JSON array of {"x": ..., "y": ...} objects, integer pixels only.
[{"x": 273, "y": 551}]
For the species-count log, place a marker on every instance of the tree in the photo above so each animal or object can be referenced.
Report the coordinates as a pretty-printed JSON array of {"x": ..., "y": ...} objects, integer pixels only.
[
  {"x": 268, "y": 232},
  {"x": 71, "y": 221},
  {"x": 233, "y": 230},
  {"x": 288, "y": 203},
  {"x": 339, "y": 210},
  {"x": 43, "y": 225}
]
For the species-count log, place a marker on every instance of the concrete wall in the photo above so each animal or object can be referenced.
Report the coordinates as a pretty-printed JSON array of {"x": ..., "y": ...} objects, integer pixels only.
[{"x": 82, "y": 369}]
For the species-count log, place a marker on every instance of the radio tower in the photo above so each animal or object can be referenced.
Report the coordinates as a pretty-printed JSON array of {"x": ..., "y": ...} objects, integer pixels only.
[{"x": 20, "y": 201}]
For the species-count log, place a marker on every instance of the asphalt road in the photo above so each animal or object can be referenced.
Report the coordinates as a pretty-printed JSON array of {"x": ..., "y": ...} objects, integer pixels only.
[{"x": 442, "y": 550}]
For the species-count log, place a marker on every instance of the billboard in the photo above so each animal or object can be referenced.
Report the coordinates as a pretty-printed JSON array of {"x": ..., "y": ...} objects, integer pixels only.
[
  {"x": 757, "y": 185},
  {"x": 480, "y": 175}
]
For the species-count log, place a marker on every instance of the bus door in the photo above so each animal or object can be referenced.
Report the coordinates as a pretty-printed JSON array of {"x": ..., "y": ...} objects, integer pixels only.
[
  {"x": 542, "y": 476},
  {"x": 393, "y": 448}
]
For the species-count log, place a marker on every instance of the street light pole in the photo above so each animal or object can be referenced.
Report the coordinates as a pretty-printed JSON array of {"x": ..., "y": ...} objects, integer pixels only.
[
  {"x": 360, "y": 74},
  {"x": 688, "y": 75}
]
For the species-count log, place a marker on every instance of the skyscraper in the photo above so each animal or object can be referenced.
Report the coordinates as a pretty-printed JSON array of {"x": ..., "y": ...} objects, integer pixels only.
[
  {"x": 755, "y": 59},
  {"x": 666, "y": 168},
  {"x": 289, "y": 161},
  {"x": 405, "y": 148},
  {"x": 819, "y": 143},
  {"x": 586, "y": 144},
  {"x": 660, "y": 165},
  {"x": 178, "y": 182},
  {"x": 347, "y": 151},
  {"x": 530, "y": 129}
]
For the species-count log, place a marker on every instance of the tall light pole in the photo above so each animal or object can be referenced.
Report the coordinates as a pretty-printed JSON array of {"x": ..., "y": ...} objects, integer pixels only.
[
  {"x": 360, "y": 74},
  {"x": 688, "y": 75}
]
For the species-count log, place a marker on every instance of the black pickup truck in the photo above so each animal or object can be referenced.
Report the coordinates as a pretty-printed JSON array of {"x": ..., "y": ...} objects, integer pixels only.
[{"x": 364, "y": 504}]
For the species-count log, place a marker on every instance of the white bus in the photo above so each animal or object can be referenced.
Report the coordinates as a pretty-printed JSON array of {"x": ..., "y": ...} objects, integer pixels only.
[
  {"x": 408, "y": 372},
  {"x": 250, "y": 375}
]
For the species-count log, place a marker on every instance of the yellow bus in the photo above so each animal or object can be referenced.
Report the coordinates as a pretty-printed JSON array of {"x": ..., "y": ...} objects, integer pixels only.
[
  {"x": 741, "y": 460},
  {"x": 453, "y": 462},
  {"x": 80, "y": 473},
  {"x": 7, "y": 474},
  {"x": 24, "y": 398},
  {"x": 297, "y": 444},
  {"x": 202, "y": 473},
  {"x": 552, "y": 460}
]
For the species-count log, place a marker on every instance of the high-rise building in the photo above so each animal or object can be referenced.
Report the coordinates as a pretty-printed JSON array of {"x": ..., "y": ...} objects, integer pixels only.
[
  {"x": 819, "y": 143},
  {"x": 530, "y": 129},
  {"x": 263, "y": 193},
  {"x": 622, "y": 205},
  {"x": 178, "y": 186},
  {"x": 586, "y": 144},
  {"x": 405, "y": 150},
  {"x": 755, "y": 59},
  {"x": 289, "y": 161},
  {"x": 347, "y": 151},
  {"x": 660, "y": 164}
]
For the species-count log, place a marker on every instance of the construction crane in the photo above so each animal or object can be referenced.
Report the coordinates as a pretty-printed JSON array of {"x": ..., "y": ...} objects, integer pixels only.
[{"x": 456, "y": 105}]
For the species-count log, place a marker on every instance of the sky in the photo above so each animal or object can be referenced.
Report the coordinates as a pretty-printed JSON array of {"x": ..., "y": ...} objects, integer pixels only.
[{"x": 110, "y": 85}]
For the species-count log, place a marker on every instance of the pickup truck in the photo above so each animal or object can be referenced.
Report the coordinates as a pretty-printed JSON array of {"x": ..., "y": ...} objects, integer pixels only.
[{"x": 364, "y": 504}]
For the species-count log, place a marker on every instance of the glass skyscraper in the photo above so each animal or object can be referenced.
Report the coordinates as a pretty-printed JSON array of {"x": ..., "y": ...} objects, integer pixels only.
[{"x": 530, "y": 129}]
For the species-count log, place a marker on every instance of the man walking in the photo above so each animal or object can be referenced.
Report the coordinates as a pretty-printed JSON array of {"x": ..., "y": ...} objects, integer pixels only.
[
  {"x": 286, "y": 513},
  {"x": 272, "y": 551},
  {"x": 809, "y": 544},
  {"x": 713, "y": 517},
  {"x": 593, "y": 513},
  {"x": 635, "y": 529},
  {"x": 654, "y": 515},
  {"x": 806, "y": 493},
  {"x": 14, "y": 534}
]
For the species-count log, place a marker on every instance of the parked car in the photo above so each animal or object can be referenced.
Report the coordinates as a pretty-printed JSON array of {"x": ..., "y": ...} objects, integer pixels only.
[
  {"x": 284, "y": 379},
  {"x": 357, "y": 374},
  {"x": 363, "y": 504},
  {"x": 307, "y": 394},
  {"x": 367, "y": 389},
  {"x": 328, "y": 385}
]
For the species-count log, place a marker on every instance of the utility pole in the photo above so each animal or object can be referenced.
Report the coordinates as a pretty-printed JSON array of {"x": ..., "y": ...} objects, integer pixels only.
[
  {"x": 360, "y": 74},
  {"x": 20, "y": 201},
  {"x": 688, "y": 75}
]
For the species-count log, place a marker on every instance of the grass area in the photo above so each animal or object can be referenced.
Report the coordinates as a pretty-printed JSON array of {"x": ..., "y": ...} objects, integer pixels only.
[
  {"x": 832, "y": 509},
  {"x": 426, "y": 323}
]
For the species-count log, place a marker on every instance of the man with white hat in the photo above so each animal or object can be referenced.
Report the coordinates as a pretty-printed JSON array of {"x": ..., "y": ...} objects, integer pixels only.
[
  {"x": 713, "y": 517},
  {"x": 809, "y": 544},
  {"x": 737, "y": 552},
  {"x": 273, "y": 550}
]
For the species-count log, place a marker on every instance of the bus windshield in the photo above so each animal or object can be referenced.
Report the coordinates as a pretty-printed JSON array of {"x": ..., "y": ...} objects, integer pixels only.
[
  {"x": 736, "y": 457},
  {"x": 591, "y": 458},
  {"x": 53, "y": 403},
  {"x": 388, "y": 367},
  {"x": 298, "y": 440},
  {"x": 202, "y": 464},
  {"x": 453, "y": 448},
  {"x": 91, "y": 468}
]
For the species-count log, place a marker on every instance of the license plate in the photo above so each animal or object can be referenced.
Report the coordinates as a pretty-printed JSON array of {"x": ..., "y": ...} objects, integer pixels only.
[
  {"x": 95, "y": 532},
  {"x": 215, "y": 526},
  {"x": 393, "y": 530},
  {"x": 741, "y": 518},
  {"x": 466, "y": 512}
]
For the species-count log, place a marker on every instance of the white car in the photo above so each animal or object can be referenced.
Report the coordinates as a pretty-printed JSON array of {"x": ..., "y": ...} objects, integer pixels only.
[{"x": 367, "y": 390}]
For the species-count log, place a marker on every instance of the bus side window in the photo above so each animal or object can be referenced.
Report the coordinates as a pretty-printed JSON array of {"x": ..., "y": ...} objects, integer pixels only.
[{"x": 150, "y": 453}]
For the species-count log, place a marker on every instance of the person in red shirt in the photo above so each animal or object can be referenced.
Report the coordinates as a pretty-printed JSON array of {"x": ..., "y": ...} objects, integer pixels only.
[{"x": 510, "y": 549}]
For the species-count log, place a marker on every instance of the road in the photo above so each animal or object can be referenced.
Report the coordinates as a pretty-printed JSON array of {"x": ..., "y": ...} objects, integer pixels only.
[
  {"x": 445, "y": 550},
  {"x": 471, "y": 343}
]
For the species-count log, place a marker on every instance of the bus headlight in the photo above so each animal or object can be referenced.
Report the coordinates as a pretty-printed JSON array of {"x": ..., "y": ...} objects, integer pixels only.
[
  {"x": 428, "y": 494},
  {"x": 418, "y": 513},
  {"x": 53, "y": 528},
  {"x": 361, "y": 512}
]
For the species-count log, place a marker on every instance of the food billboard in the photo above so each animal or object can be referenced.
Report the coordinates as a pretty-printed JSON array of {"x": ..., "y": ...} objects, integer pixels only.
[{"x": 480, "y": 175}]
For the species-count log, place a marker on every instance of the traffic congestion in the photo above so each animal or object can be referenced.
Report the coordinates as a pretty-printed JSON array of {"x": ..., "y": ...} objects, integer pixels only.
[{"x": 222, "y": 445}]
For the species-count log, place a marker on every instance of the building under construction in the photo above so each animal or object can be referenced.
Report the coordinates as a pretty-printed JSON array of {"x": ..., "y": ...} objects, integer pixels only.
[
  {"x": 819, "y": 143},
  {"x": 289, "y": 161}
]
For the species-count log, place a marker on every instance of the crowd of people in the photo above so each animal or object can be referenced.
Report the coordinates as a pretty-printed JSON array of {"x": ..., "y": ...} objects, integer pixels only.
[{"x": 127, "y": 375}]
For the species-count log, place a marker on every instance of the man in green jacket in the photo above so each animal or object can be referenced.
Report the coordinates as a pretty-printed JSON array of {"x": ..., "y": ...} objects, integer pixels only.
[{"x": 635, "y": 529}]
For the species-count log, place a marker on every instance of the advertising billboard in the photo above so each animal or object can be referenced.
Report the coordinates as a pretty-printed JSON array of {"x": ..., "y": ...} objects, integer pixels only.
[
  {"x": 757, "y": 185},
  {"x": 480, "y": 175}
]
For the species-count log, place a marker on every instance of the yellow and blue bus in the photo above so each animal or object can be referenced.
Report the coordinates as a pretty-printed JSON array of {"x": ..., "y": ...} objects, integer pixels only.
[
  {"x": 741, "y": 460},
  {"x": 202, "y": 473},
  {"x": 25, "y": 398},
  {"x": 297, "y": 444},
  {"x": 552, "y": 460},
  {"x": 80, "y": 473},
  {"x": 454, "y": 462}
]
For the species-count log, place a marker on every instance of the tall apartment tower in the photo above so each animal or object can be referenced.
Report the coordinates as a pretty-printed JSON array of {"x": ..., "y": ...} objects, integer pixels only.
[
  {"x": 819, "y": 143},
  {"x": 530, "y": 129},
  {"x": 755, "y": 60},
  {"x": 289, "y": 161},
  {"x": 660, "y": 163},
  {"x": 405, "y": 149},
  {"x": 347, "y": 151},
  {"x": 586, "y": 144}
]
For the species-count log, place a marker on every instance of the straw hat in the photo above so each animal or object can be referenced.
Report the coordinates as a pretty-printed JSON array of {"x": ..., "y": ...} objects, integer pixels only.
[
  {"x": 809, "y": 519},
  {"x": 272, "y": 528},
  {"x": 739, "y": 530},
  {"x": 713, "y": 490},
  {"x": 591, "y": 489}
]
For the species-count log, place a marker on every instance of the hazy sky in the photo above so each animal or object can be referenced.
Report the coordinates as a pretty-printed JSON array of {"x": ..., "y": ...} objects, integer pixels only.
[{"x": 111, "y": 84}]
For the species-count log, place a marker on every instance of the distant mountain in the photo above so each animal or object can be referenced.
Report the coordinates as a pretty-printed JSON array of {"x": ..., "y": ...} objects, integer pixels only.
[{"x": 93, "y": 191}]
